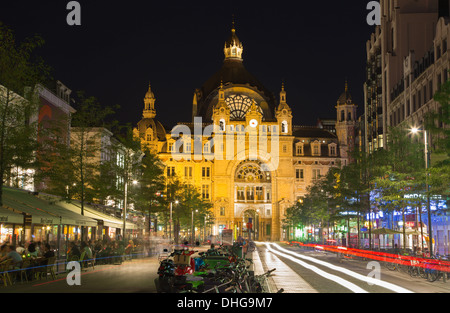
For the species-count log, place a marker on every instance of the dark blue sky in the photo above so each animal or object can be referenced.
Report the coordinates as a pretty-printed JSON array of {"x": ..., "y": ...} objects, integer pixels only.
[{"x": 177, "y": 45}]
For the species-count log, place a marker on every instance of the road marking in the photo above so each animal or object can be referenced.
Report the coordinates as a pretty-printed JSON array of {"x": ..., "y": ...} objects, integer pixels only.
[{"x": 284, "y": 277}]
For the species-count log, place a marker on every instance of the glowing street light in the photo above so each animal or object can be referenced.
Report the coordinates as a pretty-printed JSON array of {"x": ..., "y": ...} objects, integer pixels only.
[
  {"x": 415, "y": 131},
  {"x": 170, "y": 220}
]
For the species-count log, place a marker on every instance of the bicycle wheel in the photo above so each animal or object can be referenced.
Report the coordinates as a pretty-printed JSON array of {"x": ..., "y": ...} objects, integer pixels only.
[
  {"x": 433, "y": 276},
  {"x": 390, "y": 266},
  {"x": 413, "y": 271},
  {"x": 421, "y": 272}
]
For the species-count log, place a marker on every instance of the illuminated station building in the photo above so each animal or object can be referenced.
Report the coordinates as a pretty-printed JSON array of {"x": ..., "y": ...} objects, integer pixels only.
[{"x": 240, "y": 184}]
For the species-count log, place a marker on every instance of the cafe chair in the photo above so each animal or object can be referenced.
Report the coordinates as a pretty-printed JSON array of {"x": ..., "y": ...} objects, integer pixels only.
[
  {"x": 50, "y": 269},
  {"x": 5, "y": 267},
  {"x": 26, "y": 264}
]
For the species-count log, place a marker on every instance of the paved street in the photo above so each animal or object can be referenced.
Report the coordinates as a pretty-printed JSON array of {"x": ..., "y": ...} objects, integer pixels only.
[
  {"x": 300, "y": 272},
  {"x": 134, "y": 276}
]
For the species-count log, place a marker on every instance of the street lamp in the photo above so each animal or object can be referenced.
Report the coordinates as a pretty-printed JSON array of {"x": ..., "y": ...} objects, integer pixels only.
[
  {"x": 135, "y": 182},
  {"x": 170, "y": 220},
  {"x": 415, "y": 131},
  {"x": 192, "y": 232}
]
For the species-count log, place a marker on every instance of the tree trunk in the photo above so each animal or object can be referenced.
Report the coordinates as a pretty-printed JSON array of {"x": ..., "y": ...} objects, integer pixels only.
[{"x": 404, "y": 229}]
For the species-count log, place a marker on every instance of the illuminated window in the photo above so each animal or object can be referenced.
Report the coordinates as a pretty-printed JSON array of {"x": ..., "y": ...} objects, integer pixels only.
[
  {"x": 284, "y": 127},
  {"x": 205, "y": 192},
  {"x": 188, "y": 172},
  {"x": 206, "y": 148},
  {"x": 187, "y": 147},
  {"x": 299, "y": 174},
  {"x": 170, "y": 171},
  {"x": 316, "y": 174},
  {"x": 239, "y": 106},
  {"x": 299, "y": 149},
  {"x": 206, "y": 172}
]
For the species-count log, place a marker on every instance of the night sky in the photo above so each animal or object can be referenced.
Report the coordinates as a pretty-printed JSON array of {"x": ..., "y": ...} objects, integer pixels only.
[{"x": 314, "y": 46}]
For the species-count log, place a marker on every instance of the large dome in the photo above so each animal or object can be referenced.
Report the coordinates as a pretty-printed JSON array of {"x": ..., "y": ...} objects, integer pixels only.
[
  {"x": 157, "y": 128},
  {"x": 232, "y": 74}
]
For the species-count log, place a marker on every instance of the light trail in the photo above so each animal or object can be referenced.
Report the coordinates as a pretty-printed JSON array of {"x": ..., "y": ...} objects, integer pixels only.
[
  {"x": 369, "y": 280},
  {"x": 320, "y": 272}
]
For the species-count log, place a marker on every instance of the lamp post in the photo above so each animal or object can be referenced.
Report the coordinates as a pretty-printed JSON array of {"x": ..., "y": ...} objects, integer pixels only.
[
  {"x": 170, "y": 220},
  {"x": 427, "y": 166},
  {"x": 192, "y": 231},
  {"x": 125, "y": 208}
]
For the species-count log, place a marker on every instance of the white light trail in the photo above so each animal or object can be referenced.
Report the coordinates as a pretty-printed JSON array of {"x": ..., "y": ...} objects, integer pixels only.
[
  {"x": 322, "y": 273},
  {"x": 369, "y": 280}
]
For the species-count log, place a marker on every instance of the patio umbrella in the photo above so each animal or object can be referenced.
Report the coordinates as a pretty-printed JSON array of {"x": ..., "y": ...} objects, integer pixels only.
[
  {"x": 385, "y": 231},
  {"x": 413, "y": 232}
]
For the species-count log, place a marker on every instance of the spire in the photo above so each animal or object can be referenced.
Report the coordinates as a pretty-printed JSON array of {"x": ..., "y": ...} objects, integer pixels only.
[
  {"x": 282, "y": 94},
  {"x": 233, "y": 46},
  {"x": 149, "y": 101},
  {"x": 346, "y": 97},
  {"x": 283, "y": 101}
]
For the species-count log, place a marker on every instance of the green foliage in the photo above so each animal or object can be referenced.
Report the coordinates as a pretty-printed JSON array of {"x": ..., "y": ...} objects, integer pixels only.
[{"x": 20, "y": 72}]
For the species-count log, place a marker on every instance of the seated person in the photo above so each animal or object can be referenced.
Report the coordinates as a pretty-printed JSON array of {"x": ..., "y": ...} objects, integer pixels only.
[
  {"x": 11, "y": 254},
  {"x": 32, "y": 251},
  {"x": 87, "y": 250},
  {"x": 49, "y": 253},
  {"x": 73, "y": 251}
]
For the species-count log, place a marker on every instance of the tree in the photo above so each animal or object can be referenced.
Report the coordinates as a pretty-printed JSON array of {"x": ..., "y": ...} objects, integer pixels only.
[
  {"x": 20, "y": 73},
  {"x": 190, "y": 205},
  {"x": 148, "y": 196},
  {"x": 437, "y": 124},
  {"x": 403, "y": 175},
  {"x": 88, "y": 124}
]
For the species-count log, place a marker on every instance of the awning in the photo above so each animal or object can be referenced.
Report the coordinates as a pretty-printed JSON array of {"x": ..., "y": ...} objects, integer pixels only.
[
  {"x": 10, "y": 217},
  {"x": 90, "y": 212},
  {"x": 42, "y": 211}
]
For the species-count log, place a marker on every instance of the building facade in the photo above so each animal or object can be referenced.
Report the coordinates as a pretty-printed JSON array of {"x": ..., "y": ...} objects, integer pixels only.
[
  {"x": 407, "y": 27},
  {"x": 242, "y": 149}
]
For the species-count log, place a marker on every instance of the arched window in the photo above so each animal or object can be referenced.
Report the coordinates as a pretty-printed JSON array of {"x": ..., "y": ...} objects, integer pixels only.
[
  {"x": 284, "y": 127},
  {"x": 222, "y": 125},
  {"x": 149, "y": 134},
  {"x": 252, "y": 172},
  {"x": 239, "y": 106}
]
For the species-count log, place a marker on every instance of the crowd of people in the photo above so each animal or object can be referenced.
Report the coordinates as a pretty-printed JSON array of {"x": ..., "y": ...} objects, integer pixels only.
[
  {"x": 32, "y": 250},
  {"x": 103, "y": 251}
]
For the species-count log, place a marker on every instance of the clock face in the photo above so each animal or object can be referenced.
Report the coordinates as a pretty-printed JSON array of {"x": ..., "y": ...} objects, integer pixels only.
[{"x": 253, "y": 123}]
